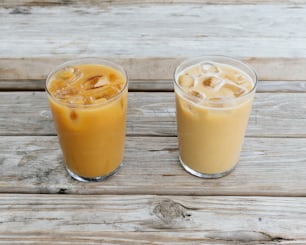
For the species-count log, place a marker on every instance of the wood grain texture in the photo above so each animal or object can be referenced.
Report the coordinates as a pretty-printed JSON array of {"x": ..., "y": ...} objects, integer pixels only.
[
  {"x": 146, "y": 219},
  {"x": 267, "y": 167},
  {"x": 152, "y": 200},
  {"x": 158, "y": 86},
  {"x": 52, "y": 3},
  {"x": 149, "y": 68},
  {"x": 153, "y": 114},
  {"x": 269, "y": 36}
]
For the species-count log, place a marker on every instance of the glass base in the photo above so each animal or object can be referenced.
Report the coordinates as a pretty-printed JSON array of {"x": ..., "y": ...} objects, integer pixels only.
[
  {"x": 203, "y": 175},
  {"x": 94, "y": 179}
]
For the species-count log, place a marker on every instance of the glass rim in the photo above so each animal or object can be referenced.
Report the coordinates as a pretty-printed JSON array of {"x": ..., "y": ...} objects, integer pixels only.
[
  {"x": 223, "y": 60},
  {"x": 88, "y": 61}
]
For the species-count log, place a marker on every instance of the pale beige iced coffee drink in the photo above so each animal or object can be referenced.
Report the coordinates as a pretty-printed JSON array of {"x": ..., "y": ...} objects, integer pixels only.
[{"x": 214, "y": 97}]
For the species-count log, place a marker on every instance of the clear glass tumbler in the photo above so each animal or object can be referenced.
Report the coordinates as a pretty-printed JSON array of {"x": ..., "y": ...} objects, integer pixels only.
[
  {"x": 214, "y": 96},
  {"x": 88, "y": 100}
]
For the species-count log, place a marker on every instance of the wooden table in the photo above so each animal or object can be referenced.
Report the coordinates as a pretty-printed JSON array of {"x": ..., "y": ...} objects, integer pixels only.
[{"x": 152, "y": 200}]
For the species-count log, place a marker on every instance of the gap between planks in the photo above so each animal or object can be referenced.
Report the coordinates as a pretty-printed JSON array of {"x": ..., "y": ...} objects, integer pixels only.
[{"x": 158, "y": 86}]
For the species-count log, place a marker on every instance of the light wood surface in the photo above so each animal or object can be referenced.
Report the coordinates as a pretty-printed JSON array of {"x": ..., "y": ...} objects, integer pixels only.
[
  {"x": 152, "y": 200},
  {"x": 150, "y": 39},
  {"x": 153, "y": 113},
  {"x": 267, "y": 167},
  {"x": 150, "y": 219}
]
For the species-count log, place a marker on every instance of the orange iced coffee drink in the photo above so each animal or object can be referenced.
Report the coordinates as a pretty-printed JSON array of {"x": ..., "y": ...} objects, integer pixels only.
[
  {"x": 214, "y": 97},
  {"x": 88, "y": 100}
]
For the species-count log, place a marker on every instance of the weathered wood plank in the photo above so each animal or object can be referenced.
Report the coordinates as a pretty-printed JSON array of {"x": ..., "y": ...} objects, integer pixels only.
[
  {"x": 173, "y": 15},
  {"x": 134, "y": 85},
  {"x": 271, "y": 37},
  {"x": 158, "y": 85},
  {"x": 52, "y": 3},
  {"x": 34, "y": 68},
  {"x": 22, "y": 85},
  {"x": 146, "y": 219},
  {"x": 281, "y": 86},
  {"x": 268, "y": 167},
  {"x": 273, "y": 114}
]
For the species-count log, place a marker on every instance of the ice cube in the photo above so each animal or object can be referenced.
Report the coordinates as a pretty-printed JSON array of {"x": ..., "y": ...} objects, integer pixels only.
[
  {"x": 235, "y": 88},
  {"x": 209, "y": 68},
  {"x": 102, "y": 82},
  {"x": 119, "y": 85},
  {"x": 240, "y": 79},
  {"x": 88, "y": 100},
  {"x": 212, "y": 81},
  {"x": 69, "y": 74},
  {"x": 56, "y": 84},
  {"x": 186, "y": 81},
  {"x": 106, "y": 92},
  {"x": 196, "y": 94},
  {"x": 76, "y": 100},
  {"x": 101, "y": 100},
  {"x": 66, "y": 92},
  {"x": 95, "y": 82}
]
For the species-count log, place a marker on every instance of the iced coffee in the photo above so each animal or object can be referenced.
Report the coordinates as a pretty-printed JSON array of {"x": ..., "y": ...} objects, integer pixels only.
[
  {"x": 88, "y": 100},
  {"x": 214, "y": 97}
]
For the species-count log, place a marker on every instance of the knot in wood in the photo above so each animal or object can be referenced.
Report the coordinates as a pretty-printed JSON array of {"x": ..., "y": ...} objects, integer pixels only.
[{"x": 169, "y": 211}]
